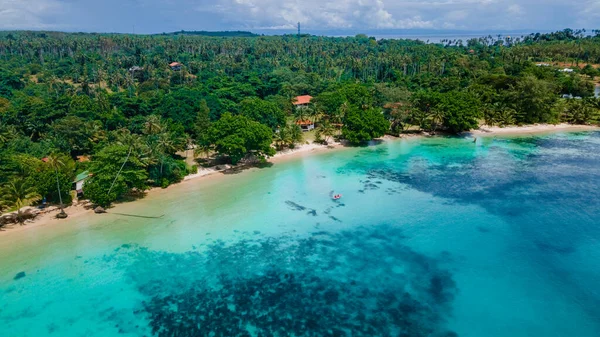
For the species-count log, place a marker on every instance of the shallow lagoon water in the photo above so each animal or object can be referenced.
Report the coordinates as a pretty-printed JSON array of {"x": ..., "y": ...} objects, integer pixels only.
[{"x": 433, "y": 237}]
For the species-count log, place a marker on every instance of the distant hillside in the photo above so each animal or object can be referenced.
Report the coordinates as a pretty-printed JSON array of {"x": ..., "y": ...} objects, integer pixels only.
[{"x": 222, "y": 33}]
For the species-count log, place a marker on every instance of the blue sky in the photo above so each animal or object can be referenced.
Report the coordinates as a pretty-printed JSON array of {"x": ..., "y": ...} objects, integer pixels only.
[{"x": 156, "y": 16}]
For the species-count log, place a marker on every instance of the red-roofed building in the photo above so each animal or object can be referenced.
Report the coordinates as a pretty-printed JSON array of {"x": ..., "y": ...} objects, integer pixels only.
[
  {"x": 302, "y": 101},
  {"x": 305, "y": 125},
  {"x": 176, "y": 66}
]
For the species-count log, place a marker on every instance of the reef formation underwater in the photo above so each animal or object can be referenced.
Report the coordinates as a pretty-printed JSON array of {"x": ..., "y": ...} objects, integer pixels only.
[{"x": 359, "y": 282}]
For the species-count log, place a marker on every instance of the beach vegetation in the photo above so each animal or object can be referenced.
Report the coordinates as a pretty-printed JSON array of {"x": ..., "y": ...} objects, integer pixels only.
[
  {"x": 111, "y": 103},
  {"x": 17, "y": 194},
  {"x": 361, "y": 125},
  {"x": 117, "y": 170},
  {"x": 237, "y": 137}
]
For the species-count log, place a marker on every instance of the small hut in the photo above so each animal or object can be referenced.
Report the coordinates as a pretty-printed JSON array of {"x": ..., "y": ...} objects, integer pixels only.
[
  {"x": 305, "y": 125},
  {"x": 80, "y": 181}
]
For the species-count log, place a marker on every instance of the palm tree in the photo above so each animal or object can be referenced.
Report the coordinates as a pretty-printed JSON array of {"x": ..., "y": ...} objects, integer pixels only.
[
  {"x": 419, "y": 118},
  {"x": 312, "y": 114},
  {"x": 301, "y": 114},
  {"x": 153, "y": 125},
  {"x": 328, "y": 131},
  {"x": 437, "y": 118},
  {"x": 506, "y": 117},
  {"x": 55, "y": 162},
  {"x": 19, "y": 193},
  {"x": 295, "y": 134},
  {"x": 96, "y": 132},
  {"x": 164, "y": 145},
  {"x": 281, "y": 137}
]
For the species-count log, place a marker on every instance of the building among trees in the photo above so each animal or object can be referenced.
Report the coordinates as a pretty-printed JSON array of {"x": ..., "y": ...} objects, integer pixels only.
[
  {"x": 175, "y": 66},
  {"x": 80, "y": 181},
  {"x": 302, "y": 101},
  {"x": 305, "y": 125}
]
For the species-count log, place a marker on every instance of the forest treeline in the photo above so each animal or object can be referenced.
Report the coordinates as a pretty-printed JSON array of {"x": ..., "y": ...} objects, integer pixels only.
[{"x": 112, "y": 105}]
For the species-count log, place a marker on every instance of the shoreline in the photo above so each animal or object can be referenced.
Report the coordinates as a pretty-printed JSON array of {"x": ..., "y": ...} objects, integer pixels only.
[
  {"x": 84, "y": 208},
  {"x": 529, "y": 129}
]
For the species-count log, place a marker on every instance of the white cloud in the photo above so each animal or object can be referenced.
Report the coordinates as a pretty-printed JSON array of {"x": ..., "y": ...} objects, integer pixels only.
[
  {"x": 457, "y": 15},
  {"x": 515, "y": 9},
  {"x": 317, "y": 14},
  {"x": 590, "y": 14},
  {"x": 170, "y": 15},
  {"x": 28, "y": 14}
]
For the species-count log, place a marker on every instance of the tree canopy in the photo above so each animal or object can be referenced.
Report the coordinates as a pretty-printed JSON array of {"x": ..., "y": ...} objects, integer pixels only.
[
  {"x": 76, "y": 96},
  {"x": 239, "y": 136}
]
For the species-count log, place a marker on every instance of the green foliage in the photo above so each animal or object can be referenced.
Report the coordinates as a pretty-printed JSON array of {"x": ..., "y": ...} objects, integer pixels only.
[
  {"x": 533, "y": 100},
  {"x": 182, "y": 107},
  {"x": 580, "y": 111},
  {"x": 590, "y": 71},
  {"x": 458, "y": 110},
  {"x": 202, "y": 122},
  {"x": 17, "y": 194},
  {"x": 238, "y": 136},
  {"x": 55, "y": 175},
  {"x": 288, "y": 136},
  {"x": 461, "y": 111},
  {"x": 76, "y": 94},
  {"x": 167, "y": 172},
  {"x": 329, "y": 102},
  {"x": 74, "y": 135},
  {"x": 364, "y": 125},
  {"x": 118, "y": 163},
  {"x": 46, "y": 185},
  {"x": 262, "y": 111},
  {"x": 98, "y": 189}
]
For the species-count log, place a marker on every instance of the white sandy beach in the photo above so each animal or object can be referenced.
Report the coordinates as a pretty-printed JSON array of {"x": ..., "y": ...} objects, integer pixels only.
[
  {"x": 82, "y": 209},
  {"x": 530, "y": 129}
]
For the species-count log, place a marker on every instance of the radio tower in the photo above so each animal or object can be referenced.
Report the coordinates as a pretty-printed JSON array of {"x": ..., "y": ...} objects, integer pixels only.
[{"x": 298, "y": 29}]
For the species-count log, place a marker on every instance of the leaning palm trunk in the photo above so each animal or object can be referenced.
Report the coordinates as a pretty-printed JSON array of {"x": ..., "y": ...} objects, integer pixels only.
[
  {"x": 62, "y": 214},
  {"x": 58, "y": 187},
  {"x": 121, "y": 169}
]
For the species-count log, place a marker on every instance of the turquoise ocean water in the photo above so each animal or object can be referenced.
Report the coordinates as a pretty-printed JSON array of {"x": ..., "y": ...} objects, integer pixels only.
[{"x": 433, "y": 237}]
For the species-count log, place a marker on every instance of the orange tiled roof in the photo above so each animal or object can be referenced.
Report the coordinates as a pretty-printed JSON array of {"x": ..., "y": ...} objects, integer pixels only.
[
  {"x": 174, "y": 64},
  {"x": 304, "y": 122},
  {"x": 302, "y": 100}
]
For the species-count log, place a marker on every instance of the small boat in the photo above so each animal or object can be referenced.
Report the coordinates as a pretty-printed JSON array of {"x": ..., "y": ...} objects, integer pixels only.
[{"x": 337, "y": 197}]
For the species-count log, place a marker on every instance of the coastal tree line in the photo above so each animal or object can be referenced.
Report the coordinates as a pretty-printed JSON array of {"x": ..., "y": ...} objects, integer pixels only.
[{"x": 111, "y": 105}]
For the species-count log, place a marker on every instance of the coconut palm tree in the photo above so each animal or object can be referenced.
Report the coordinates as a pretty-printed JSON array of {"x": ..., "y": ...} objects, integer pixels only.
[
  {"x": 301, "y": 114},
  {"x": 164, "y": 145},
  {"x": 506, "y": 116},
  {"x": 55, "y": 162},
  {"x": 281, "y": 137},
  {"x": 437, "y": 118},
  {"x": 328, "y": 131},
  {"x": 19, "y": 193},
  {"x": 153, "y": 125}
]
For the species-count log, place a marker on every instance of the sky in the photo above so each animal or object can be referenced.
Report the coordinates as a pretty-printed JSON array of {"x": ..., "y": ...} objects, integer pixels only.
[{"x": 157, "y": 16}]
